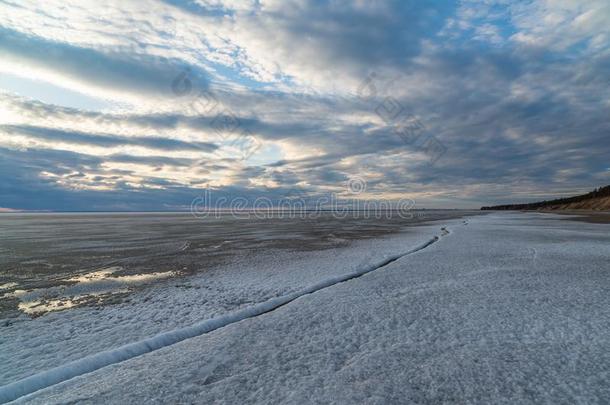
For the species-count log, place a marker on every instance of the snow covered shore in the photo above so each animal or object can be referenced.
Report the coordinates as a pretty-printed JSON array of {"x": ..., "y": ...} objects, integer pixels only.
[
  {"x": 34, "y": 346},
  {"x": 507, "y": 308}
]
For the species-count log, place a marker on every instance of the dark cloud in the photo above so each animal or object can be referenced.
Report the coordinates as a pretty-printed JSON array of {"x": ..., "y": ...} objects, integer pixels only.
[
  {"x": 107, "y": 140},
  {"x": 113, "y": 68}
]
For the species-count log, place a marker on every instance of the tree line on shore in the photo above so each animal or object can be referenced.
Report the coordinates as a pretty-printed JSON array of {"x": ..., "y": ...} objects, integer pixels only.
[{"x": 597, "y": 193}]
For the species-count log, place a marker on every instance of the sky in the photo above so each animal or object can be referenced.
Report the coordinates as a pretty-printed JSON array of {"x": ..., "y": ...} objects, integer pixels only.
[{"x": 145, "y": 105}]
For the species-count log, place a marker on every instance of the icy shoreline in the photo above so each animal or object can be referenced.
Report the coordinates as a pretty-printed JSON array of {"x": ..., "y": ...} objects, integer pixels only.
[
  {"x": 173, "y": 304},
  {"x": 508, "y": 308},
  {"x": 65, "y": 261},
  {"x": 94, "y": 362}
]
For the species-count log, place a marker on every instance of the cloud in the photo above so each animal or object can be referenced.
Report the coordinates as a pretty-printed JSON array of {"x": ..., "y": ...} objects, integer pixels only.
[
  {"x": 110, "y": 73},
  {"x": 106, "y": 140},
  {"x": 516, "y": 93},
  {"x": 326, "y": 45}
]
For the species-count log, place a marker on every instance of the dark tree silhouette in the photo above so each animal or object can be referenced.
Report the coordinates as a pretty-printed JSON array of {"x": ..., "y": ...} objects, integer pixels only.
[{"x": 597, "y": 193}]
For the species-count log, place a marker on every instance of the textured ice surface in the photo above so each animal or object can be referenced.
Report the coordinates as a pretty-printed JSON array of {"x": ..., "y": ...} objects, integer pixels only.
[
  {"x": 113, "y": 356},
  {"x": 511, "y": 308},
  {"x": 43, "y": 343}
]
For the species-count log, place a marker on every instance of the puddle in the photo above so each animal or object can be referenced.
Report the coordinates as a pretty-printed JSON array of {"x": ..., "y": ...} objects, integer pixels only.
[
  {"x": 8, "y": 286},
  {"x": 84, "y": 289}
]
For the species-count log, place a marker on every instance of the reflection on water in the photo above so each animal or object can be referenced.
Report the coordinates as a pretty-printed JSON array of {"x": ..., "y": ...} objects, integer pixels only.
[{"x": 85, "y": 289}]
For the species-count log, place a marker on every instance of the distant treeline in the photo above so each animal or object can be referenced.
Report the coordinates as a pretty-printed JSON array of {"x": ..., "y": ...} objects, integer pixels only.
[{"x": 598, "y": 193}]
